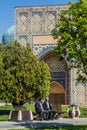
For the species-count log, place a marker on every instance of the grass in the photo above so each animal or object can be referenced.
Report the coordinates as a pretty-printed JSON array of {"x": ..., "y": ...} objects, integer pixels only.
[
  {"x": 4, "y": 111},
  {"x": 76, "y": 127},
  {"x": 30, "y": 107},
  {"x": 83, "y": 111}
]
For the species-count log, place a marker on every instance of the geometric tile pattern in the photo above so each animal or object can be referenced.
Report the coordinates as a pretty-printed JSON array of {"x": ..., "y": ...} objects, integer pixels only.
[
  {"x": 38, "y": 48},
  {"x": 78, "y": 91},
  {"x": 23, "y": 40},
  {"x": 56, "y": 65},
  {"x": 51, "y": 20},
  {"x": 36, "y": 21},
  {"x": 22, "y": 22},
  {"x": 79, "y": 95}
]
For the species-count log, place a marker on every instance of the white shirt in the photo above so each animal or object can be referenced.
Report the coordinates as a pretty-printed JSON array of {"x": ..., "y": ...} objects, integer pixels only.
[{"x": 48, "y": 105}]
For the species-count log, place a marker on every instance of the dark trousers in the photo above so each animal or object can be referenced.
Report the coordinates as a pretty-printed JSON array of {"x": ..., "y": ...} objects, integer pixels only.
[
  {"x": 51, "y": 114},
  {"x": 43, "y": 114}
]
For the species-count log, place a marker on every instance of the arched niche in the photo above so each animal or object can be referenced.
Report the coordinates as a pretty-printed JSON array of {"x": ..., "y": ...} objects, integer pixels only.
[
  {"x": 57, "y": 94},
  {"x": 59, "y": 76}
]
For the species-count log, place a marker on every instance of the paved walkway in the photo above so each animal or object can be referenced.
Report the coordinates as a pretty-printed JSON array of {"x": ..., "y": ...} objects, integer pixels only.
[
  {"x": 3, "y": 104},
  {"x": 33, "y": 124}
]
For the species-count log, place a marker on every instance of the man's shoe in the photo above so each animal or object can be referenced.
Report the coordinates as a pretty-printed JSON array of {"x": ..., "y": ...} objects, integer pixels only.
[{"x": 41, "y": 119}]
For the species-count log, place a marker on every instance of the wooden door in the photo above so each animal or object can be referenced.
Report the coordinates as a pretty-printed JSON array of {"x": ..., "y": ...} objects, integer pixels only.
[
  {"x": 57, "y": 95},
  {"x": 57, "y": 99}
]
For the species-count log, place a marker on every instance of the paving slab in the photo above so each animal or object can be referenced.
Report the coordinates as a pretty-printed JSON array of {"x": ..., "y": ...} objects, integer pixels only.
[{"x": 33, "y": 124}]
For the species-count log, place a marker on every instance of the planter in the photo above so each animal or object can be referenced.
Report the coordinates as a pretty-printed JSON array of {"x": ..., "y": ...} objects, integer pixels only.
[
  {"x": 20, "y": 115},
  {"x": 73, "y": 111}
]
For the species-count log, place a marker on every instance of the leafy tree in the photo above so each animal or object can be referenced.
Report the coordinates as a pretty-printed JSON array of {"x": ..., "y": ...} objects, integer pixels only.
[
  {"x": 71, "y": 34},
  {"x": 22, "y": 76}
]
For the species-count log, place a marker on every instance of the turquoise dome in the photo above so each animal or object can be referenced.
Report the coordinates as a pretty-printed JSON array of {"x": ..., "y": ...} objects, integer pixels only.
[{"x": 8, "y": 36}]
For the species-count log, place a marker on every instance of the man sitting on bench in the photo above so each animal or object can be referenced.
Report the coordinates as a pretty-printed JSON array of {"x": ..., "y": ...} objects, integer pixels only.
[
  {"x": 43, "y": 114},
  {"x": 47, "y": 106}
]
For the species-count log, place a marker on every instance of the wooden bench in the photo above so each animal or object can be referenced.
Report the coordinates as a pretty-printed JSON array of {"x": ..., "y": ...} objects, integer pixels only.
[{"x": 59, "y": 111}]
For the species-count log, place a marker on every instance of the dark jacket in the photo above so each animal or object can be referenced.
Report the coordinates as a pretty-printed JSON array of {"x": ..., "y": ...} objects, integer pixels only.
[
  {"x": 45, "y": 106},
  {"x": 38, "y": 107}
]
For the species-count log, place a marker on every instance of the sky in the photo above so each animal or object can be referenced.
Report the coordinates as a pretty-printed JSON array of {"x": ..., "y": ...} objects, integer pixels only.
[{"x": 7, "y": 10}]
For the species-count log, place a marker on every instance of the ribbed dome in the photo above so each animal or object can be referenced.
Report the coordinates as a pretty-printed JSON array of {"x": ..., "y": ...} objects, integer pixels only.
[{"x": 8, "y": 35}]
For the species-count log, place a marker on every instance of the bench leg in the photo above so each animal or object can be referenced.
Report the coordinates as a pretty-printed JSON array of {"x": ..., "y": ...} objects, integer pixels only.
[{"x": 59, "y": 116}]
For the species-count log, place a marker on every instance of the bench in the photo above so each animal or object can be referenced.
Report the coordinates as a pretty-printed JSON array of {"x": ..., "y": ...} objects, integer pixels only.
[
  {"x": 56, "y": 108},
  {"x": 59, "y": 111}
]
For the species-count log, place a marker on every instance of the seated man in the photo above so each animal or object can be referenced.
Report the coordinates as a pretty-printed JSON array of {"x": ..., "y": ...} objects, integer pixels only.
[
  {"x": 47, "y": 106},
  {"x": 40, "y": 110}
]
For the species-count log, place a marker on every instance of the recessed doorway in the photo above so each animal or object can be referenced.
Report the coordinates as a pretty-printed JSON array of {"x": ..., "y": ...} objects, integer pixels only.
[{"x": 57, "y": 94}]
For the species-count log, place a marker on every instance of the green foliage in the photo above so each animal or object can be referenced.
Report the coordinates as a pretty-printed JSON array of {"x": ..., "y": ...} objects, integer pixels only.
[
  {"x": 71, "y": 33},
  {"x": 22, "y": 76}
]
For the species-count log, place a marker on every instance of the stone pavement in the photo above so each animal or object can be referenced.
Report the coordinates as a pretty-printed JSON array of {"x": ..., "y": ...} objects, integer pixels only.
[
  {"x": 33, "y": 124},
  {"x": 3, "y": 104}
]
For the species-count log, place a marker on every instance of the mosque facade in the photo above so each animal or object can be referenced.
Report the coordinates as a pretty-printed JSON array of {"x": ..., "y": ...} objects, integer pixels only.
[{"x": 34, "y": 25}]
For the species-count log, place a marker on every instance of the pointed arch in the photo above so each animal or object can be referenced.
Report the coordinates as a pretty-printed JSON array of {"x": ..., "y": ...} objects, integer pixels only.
[
  {"x": 60, "y": 89},
  {"x": 57, "y": 88},
  {"x": 45, "y": 52},
  {"x": 57, "y": 94}
]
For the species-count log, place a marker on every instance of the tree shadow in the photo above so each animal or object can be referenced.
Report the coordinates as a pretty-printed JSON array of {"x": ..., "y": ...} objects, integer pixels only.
[{"x": 4, "y": 112}]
